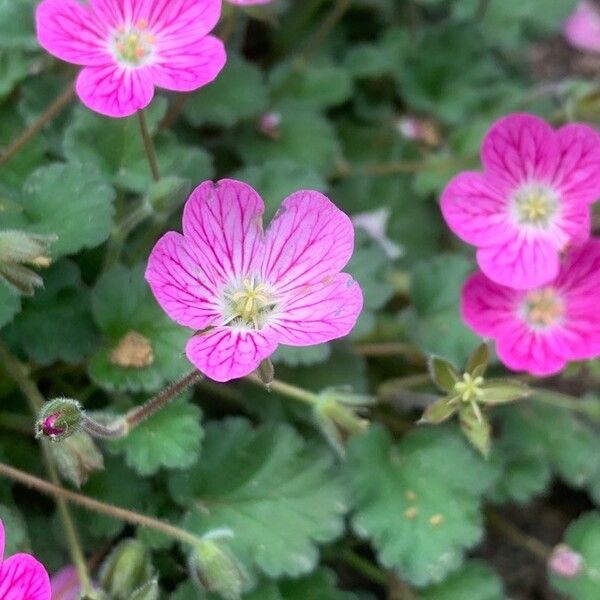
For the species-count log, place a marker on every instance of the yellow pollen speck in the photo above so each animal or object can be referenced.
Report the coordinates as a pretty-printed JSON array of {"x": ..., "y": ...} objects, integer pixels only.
[
  {"x": 411, "y": 512},
  {"x": 436, "y": 520},
  {"x": 410, "y": 495},
  {"x": 133, "y": 351}
]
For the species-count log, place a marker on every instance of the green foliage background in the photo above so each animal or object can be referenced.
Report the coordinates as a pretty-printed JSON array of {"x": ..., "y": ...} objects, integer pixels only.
[{"x": 405, "y": 507}]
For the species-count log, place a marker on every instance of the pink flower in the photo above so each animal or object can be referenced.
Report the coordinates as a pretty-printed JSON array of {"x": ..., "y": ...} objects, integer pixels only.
[
  {"x": 582, "y": 28},
  {"x": 540, "y": 330},
  {"x": 65, "y": 584},
  {"x": 531, "y": 201},
  {"x": 129, "y": 46},
  {"x": 22, "y": 577},
  {"x": 249, "y": 2},
  {"x": 245, "y": 291},
  {"x": 565, "y": 562}
]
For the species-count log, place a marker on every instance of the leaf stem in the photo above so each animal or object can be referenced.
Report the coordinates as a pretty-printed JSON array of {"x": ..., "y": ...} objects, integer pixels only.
[
  {"x": 515, "y": 535},
  {"x": 36, "y": 400},
  {"x": 50, "y": 113},
  {"x": 148, "y": 145},
  {"x": 60, "y": 493},
  {"x": 365, "y": 567}
]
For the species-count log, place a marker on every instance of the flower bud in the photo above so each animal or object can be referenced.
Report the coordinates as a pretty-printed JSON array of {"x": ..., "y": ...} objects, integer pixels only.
[
  {"x": 58, "y": 419},
  {"x": 269, "y": 125},
  {"x": 214, "y": 569},
  {"x": 77, "y": 457},
  {"x": 126, "y": 569},
  {"x": 565, "y": 562}
]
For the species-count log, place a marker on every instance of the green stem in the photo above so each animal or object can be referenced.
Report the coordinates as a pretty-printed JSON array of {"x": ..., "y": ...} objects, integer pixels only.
[
  {"x": 50, "y": 113},
  {"x": 287, "y": 389},
  {"x": 515, "y": 535},
  {"x": 128, "y": 516},
  {"x": 36, "y": 401},
  {"x": 365, "y": 567},
  {"x": 327, "y": 26},
  {"x": 563, "y": 401},
  {"x": 148, "y": 145}
]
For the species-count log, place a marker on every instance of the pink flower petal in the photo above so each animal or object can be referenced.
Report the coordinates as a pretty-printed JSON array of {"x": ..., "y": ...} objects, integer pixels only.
[
  {"x": 68, "y": 30},
  {"x": 65, "y": 584},
  {"x": 319, "y": 313},
  {"x": 249, "y": 2},
  {"x": 183, "y": 282},
  {"x": 523, "y": 263},
  {"x": 115, "y": 91},
  {"x": 520, "y": 148},
  {"x": 183, "y": 67},
  {"x": 2, "y": 540},
  {"x": 22, "y": 577},
  {"x": 582, "y": 29},
  {"x": 186, "y": 20},
  {"x": 225, "y": 353},
  {"x": 578, "y": 177},
  {"x": 224, "y": 223},
  {"x": 476, "y": 209},
  {"x": 308, "y": 241}
]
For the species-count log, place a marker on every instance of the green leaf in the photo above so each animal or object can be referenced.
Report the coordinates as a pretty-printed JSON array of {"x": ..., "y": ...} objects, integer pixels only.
[
  {"x": 418, "y": 481},
  {"x": 170, "y": 438},
  {"x": 278, "y": 496},
  {"x": 437, "y": 326},
  {"x": 17, "y": 29},
  {"x": 500, "y": 391},
  {"x": 473, "y": 581},
  {"x": 15, "y": 65},
  {"x": 443, "y": 374},
  {"x": 15, "y": 531},
  {"x": 239, "y": 92},
  {"x": 56, "y": 324},
  {"x": 69, "y": 200},
  {"x": 10, "y": 304},
  {"x": 302, "y": 356},
  {"x": 476, "y": 427},
  {"x": 583, "y": 536},
  {"x": 123, "y": 306}
]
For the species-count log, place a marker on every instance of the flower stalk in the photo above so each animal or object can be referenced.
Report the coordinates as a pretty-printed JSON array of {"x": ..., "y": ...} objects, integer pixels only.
[{"x": 148, "y": 145}]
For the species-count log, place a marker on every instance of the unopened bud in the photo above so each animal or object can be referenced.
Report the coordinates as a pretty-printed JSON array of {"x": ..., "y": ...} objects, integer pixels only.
[
  {"x": 77, "y": 457},
  {"x": 270, "y": 124},
  {"x": 565, "y": 562},
  {"x": 126, "y": 569},
  {"x": 58, "y": 419},
  {"x": 214, "y": 569}
]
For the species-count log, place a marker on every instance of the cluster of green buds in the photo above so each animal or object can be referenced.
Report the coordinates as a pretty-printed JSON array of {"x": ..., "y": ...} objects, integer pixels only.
[
  {"x": 18, "y": 249},
  {"x": 467, "y": 393}
]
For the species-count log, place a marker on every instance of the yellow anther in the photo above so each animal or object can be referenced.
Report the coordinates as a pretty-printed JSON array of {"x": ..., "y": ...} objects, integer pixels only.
[
  {"x": 544, "y": 307},
  {"x": 535, "y": 204}
]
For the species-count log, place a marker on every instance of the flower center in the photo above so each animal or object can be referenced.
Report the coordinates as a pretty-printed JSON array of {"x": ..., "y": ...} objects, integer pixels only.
[
  {"x": 535, "y": 205},
  {"x": 469, "y": 388},
  {"x": 543, "y": 307},
  {"x": 248, "y": 304},
  {"x": 134, "y": 45}
]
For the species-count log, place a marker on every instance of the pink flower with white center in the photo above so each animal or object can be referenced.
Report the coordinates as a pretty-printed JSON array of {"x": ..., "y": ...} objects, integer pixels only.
[
  {"x": 531, "y": 201},
  {"x": 582, "y": 28},
  {"x": 245, "y": 291},
  {"x": 129, "y": 46},
  {"x": 22, "y": 577},
  {"x": 540, "y": 330}
]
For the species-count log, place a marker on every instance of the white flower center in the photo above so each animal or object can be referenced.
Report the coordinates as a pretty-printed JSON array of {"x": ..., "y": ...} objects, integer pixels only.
[
  {"x": 248, "y": 304},
  {"x": 469, "y": 389},
  {"x": 535, "y": 205},
  {"x": 133, "y": 46},
  {"x": 543, "y": 308}
]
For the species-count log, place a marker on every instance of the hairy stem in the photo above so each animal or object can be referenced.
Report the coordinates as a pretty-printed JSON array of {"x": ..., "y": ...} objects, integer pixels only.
[
  {"x": 287, "y": 389},
  {"x": 36, "y": 400},
  {"x": 50, "y": 113},
  {"x": 148, "y": 145},
  {"x": 117, "y": 512}
]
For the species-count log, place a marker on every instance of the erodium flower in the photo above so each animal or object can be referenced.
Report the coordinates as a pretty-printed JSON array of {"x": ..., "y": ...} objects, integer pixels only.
[
  {"x": 245, "y": 291},
  {"x": 129, "y": 46},
  {"x": 22, "y": 577},
  {"x": 540, "y": 330},
  {"x": 531, "y": 201},
  {"x": 582, "y": 28}
]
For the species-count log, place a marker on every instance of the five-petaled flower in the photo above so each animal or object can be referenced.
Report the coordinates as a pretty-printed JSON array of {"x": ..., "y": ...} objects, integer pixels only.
[
  {"x": 129, "y": 46},
  {"x": 245, "y": 291},
  {"x": 532, "y": 200},
  {"x": 582, "y": 28},
  {"x": 541, "y": 329},
  {"x": 22, "y": 577}
]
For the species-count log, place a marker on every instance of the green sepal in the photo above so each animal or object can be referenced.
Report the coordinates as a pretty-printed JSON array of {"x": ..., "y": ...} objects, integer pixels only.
[
  {"x": 501, "y": 391},
  {"x": 443, "y": 373},
  {"x": 439, "y": 411},
  {"x": 476, "y": 428},
  {"x": 479, "y": 360}
]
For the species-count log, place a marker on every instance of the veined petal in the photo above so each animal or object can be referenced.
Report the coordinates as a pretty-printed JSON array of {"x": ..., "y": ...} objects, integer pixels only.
[
  {"x": 183, "y": 283},
  {"x": 223, "y": 221},
  {"x": 22, "y": 577},
  {"x": 582, "y": 28},
  {"x": 2, "y": 539},
  {"x": 308, "y": 241},
  {"x": 115, "y": 91},
  {"x": 578, "y": 173},
  {"x": 185, "y": 66},
  {"x": 477, "y": 210},
  {"x": 319, "y": 313},
  {"x": 225, "y": 353},
  {"x": 185, "y": 19},
  {"x": 521, "y": 148},
  {"x": 68, "y": 30},
  {"x": 525, "y": 262}
]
